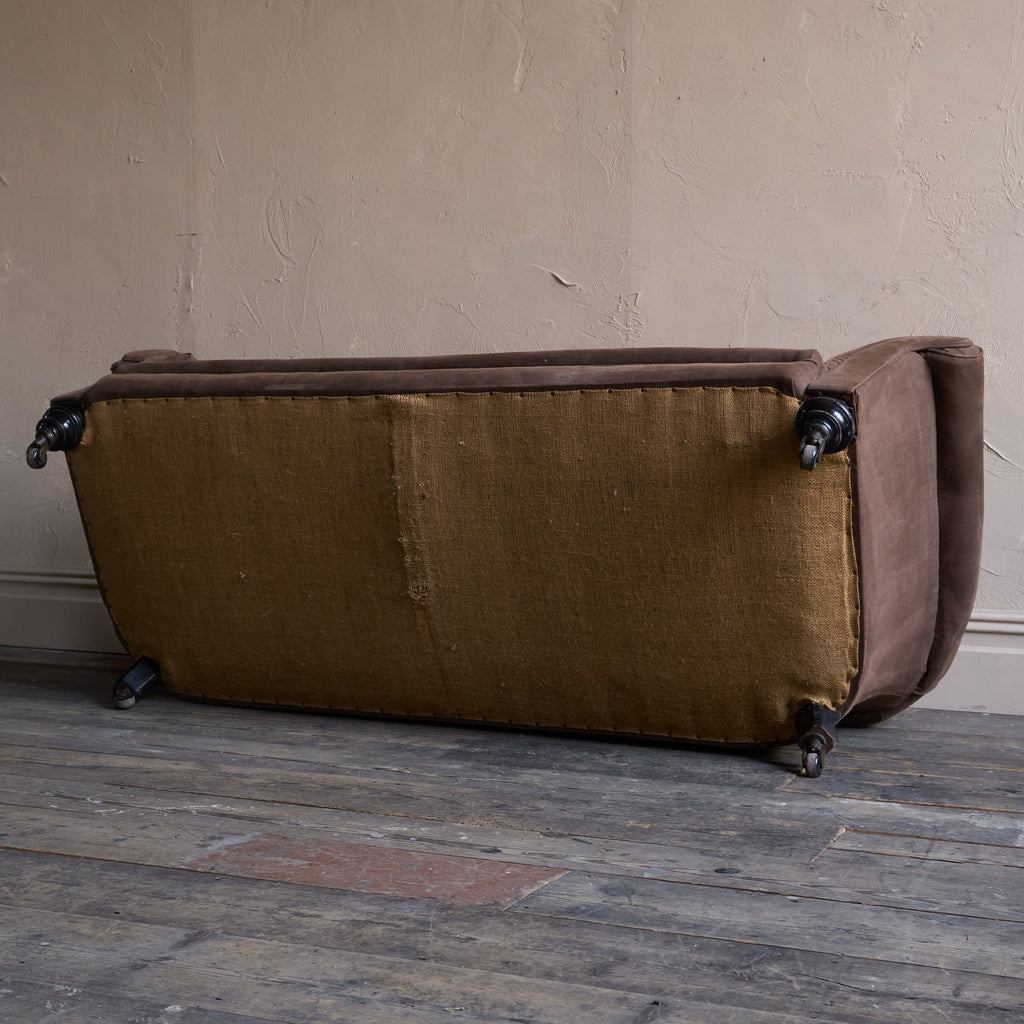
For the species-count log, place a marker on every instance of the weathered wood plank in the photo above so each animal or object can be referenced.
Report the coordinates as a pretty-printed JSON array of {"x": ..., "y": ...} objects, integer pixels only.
[
  {"x": 916, "y": 871},
  {"x": 955, "y": 757},
  {"x": 25, "y": 1000},
  {"x": 933, "y": 849},
  {"x": 712, "y": 818},
  {"x": 622, "y": 958},
  {"x": 954, "y": 723},
  {"x": 205, "y": 839},
  {"x": 977, "y": 890},
  {"x": 573, "y": 805},
  {"x": 497, "y": 763},
  {"x": 703, "y": 845},
  {"x": 365, "y": 744},
  {"x": 300, "y": 982},
  {"x": 698, "y": 816},
  {"x": 472, "y": 759},
  {"x": 926, "y": 938},
  {"x": 990, "y": 789},
  {"x": 188, "y": 998}
]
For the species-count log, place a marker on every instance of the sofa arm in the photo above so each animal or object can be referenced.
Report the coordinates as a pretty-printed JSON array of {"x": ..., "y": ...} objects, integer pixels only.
[
  {"x": 957, "y": 385},
  {"x": 849, "y": 372}
]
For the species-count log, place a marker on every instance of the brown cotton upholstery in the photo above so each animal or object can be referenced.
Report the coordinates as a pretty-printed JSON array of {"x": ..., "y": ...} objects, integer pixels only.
[
  {"x": 917, "y": 547},
  {"x": 609, "y": 541}
]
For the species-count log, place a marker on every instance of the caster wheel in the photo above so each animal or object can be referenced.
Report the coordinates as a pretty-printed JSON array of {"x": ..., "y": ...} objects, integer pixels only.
[
  {"x": 142, "y": 676},
  {"x": 809, "y": 456},
  {"x": 123, "y": 698},
  {"x": 812, "y": 764}
]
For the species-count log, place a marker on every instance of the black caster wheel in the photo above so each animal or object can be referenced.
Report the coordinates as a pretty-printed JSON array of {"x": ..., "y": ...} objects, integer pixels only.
[
  {"x": 142, "y": 676},
  {"x": 812, "y": 764},
  {"x": 815, "y": 727},
  {"x": 124, "y": 698}
]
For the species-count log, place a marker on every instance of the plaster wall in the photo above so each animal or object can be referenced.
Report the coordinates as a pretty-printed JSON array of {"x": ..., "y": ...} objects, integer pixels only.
[{"x": 419, "y": 176}]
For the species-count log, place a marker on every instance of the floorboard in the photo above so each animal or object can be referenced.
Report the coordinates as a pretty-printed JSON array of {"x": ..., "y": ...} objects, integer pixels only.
[{"x": 192, "y": 863}]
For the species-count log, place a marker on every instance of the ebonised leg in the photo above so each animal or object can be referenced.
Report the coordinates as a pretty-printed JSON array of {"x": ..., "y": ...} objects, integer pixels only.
[
  {"x": 142, "y": 676},
  {"x": 815, "y": 729}
]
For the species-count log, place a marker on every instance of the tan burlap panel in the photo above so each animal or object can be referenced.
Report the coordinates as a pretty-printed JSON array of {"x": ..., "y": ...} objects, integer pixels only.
[{"x": 638, "y": 560}]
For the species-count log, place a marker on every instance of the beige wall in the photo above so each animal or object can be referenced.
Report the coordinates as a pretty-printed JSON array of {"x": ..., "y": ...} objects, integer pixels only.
[{"x": 246, "y": 178}]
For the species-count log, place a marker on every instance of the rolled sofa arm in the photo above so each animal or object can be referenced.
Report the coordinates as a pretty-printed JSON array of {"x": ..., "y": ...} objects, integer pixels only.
[{"x": 867, "y": 376}]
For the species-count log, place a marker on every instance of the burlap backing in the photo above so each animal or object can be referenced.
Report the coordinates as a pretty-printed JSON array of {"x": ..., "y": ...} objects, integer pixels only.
[{"x": 635, "y": 560}]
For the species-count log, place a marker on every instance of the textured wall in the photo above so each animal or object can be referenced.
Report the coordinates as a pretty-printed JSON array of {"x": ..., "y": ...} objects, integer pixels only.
[{"x": 285, "y": 178}]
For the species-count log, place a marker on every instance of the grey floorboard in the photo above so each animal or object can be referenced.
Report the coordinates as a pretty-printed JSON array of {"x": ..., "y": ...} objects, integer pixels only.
[{"x": 193, "y": 863}]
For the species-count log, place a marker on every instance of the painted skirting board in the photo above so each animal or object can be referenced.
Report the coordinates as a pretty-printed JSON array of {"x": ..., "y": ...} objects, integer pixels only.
[
  {"x": 54, "y": 609},
  {"x": 988, "y": 671},
  {"x": 64, "y": 611}
]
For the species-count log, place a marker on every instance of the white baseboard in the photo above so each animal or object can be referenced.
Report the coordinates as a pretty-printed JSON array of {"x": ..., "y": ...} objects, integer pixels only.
[
  {"x": 58, "y": 610},
  {"x": 988, "y": 671},
  {"x": 64, "y": 611}
]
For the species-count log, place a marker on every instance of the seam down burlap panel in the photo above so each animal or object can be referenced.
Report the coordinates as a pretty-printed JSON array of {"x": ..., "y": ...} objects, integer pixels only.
[{"x": 647, "y": 561}]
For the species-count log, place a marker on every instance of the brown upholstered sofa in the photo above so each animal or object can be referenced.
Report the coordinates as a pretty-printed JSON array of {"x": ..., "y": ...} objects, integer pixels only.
[{"x": 609, "y": 541}]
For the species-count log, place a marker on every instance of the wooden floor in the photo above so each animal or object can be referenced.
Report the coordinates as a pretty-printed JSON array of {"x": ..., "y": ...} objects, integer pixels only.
[{"x": 182, "y": 863}]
